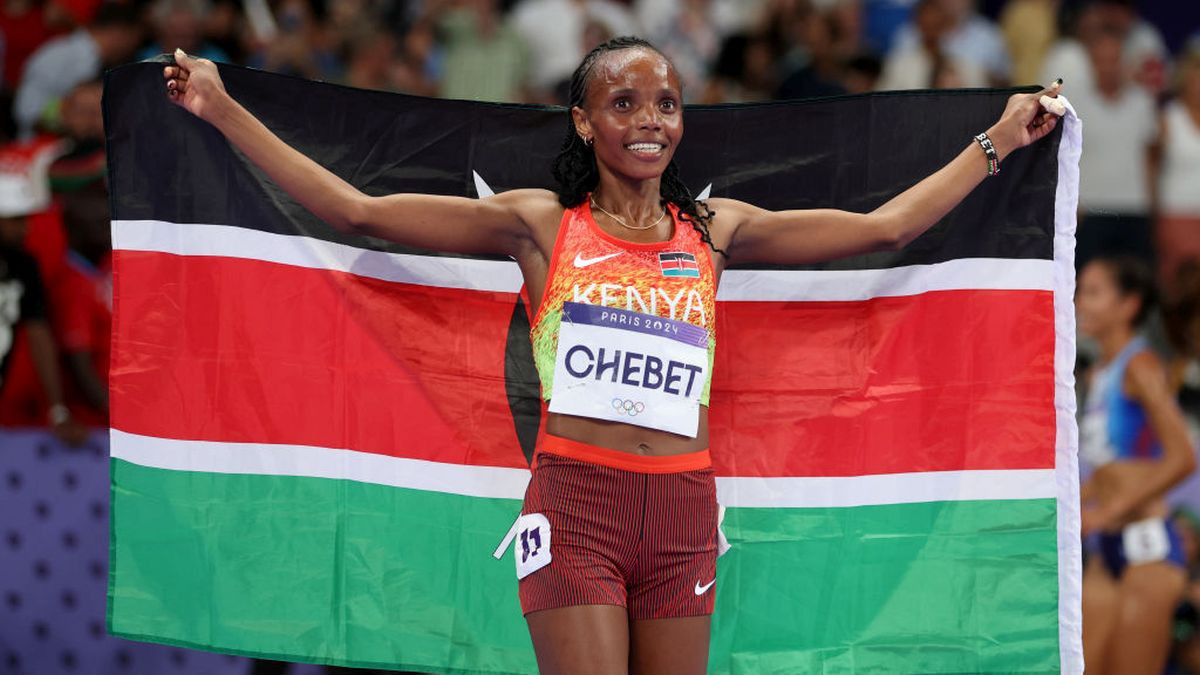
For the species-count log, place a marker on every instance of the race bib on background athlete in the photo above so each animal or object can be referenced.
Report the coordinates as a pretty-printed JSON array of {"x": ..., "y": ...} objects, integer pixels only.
[
  {"x": 1146, "y": 541},
  {"x": 624, "y": 366}
]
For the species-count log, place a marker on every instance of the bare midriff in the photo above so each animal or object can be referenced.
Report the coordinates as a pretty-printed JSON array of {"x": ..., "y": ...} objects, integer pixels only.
[
  {"x": 1114, "y": 479},
  {"x": 627, "y": 437}
]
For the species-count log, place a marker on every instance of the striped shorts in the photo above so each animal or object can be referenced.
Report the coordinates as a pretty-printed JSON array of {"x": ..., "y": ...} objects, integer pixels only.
[{"x": 614, "y": 528}]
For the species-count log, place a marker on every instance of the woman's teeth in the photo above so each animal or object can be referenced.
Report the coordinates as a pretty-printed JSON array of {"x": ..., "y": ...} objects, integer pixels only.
[{"x": 644, "y": 147}]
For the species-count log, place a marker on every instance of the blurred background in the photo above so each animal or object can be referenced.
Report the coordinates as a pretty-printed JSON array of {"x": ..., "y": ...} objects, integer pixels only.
[{"x": 1132, "y": 70}]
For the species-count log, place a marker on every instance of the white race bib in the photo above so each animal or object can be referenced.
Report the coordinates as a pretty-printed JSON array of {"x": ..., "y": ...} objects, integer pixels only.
[
  {"x": 1146, "y": 541},
  {"x": 614, "y": 364}
]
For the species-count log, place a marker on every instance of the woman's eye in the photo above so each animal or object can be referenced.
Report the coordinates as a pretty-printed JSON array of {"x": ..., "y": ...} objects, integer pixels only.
[
  {"x": 622, "y": 103},
  {"x": 668, "y": 104}
]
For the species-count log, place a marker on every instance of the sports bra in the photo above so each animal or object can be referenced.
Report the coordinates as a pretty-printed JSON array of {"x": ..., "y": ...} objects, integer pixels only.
[
  {"x": 1114, "y": 426},
  {"x": 646, "y": 290}
]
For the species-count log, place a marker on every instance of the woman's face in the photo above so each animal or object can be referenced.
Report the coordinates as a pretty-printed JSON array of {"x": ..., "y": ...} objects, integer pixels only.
[
  {"x": 633, "y": 113},
  {"x": 1099, "y": 303}
]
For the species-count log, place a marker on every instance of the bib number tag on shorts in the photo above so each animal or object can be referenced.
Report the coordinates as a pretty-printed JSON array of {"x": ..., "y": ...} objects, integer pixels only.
[
  {"x": 623, "y": 366},
  {"x": 532, "y": 544},
  {"x": 1146, "y": 541}
]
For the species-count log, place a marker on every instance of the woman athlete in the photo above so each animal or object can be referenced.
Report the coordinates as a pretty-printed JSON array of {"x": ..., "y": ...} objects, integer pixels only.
[
  {"x": 1135, "y": 444},
  {"x": 616, "y": 546}
]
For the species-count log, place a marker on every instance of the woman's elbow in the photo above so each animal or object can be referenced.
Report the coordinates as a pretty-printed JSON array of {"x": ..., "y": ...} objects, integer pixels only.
[
  {"x": 353, "y": 216},
  {"x": 889, "y": 235},
  {"x": 1187, "y": 462}
]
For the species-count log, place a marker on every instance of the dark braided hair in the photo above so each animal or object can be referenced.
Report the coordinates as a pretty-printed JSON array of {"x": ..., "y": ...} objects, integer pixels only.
[{"x": 575, "y": 166}]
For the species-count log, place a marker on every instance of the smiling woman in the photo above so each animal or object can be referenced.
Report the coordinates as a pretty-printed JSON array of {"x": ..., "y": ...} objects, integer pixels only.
[{"x": 617, "y": 541}]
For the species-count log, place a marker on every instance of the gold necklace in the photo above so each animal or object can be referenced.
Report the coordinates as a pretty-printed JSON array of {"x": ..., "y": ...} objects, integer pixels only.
[{"x": 621, "y": 220}]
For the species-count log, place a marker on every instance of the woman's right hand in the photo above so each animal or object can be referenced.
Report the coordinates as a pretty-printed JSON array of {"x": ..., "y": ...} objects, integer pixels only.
[{"x": 195, "y": 85}]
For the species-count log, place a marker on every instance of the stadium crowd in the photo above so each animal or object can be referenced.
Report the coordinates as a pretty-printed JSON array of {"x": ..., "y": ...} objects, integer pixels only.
[{"x": 1132, "y": 71}]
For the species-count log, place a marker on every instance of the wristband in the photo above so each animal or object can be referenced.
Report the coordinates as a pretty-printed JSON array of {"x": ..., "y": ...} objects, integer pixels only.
[{"x": 990, "y": 150}]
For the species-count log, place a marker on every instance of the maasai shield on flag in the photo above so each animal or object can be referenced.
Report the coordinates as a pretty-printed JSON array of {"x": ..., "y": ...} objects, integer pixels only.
[{"x": 319, "y": 439}]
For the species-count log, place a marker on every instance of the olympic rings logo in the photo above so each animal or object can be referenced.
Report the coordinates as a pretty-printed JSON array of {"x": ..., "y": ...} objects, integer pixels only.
[{"x": 627, "y": 407}]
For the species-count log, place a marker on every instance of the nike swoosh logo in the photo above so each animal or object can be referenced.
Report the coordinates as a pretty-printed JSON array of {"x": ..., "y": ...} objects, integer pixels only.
[
  {"x": 701, "y": 590},
  {"x": 581, "y": 261}
]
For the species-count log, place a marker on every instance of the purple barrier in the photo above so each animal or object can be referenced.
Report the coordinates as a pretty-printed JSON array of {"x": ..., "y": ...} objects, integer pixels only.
[{"x": 54, "y": 564}]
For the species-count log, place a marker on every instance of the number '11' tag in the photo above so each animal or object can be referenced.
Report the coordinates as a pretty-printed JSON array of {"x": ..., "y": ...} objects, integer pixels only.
[{"x": 533, "y": 544}]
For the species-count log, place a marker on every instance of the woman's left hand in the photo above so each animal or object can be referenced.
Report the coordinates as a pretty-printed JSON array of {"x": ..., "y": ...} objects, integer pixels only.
[{"x": 1024, "y": 121}]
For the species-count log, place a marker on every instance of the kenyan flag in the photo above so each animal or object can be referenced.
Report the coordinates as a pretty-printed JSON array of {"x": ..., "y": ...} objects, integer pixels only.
[{"x": 318, "y": 440}]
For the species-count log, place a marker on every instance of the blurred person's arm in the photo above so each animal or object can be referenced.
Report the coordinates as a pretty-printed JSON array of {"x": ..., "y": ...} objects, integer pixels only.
[
  {"x": 45, "y": 363},
  {"x": 84, "y": 371},
  {"x": 35, "y": 322}
]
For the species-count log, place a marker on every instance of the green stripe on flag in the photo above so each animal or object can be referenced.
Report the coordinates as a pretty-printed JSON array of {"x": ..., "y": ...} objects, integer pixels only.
[
  {"x": 930, "y": 587},
  {"x": 966, "y": 586}
]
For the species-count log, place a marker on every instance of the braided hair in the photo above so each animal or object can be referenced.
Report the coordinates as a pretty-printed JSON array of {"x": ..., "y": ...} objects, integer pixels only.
[{"x": 575, "y": 166}]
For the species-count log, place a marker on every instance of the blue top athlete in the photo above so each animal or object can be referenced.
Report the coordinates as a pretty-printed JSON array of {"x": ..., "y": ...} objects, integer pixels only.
[{"x": 1133, "y": 439}]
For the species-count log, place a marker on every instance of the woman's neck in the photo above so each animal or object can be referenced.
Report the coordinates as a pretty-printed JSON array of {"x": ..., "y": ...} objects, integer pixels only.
[
  {"x": 637, "y": 201},
  {"x": 1114, "y": 341}
]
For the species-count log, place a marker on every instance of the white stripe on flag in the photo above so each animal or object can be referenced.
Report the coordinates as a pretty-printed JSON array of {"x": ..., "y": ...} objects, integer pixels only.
[
  {"x": 507, "y": 483},
  {"x": 504, "y": 276}
]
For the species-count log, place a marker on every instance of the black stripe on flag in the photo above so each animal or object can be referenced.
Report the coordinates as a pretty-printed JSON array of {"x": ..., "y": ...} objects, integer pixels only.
[{"x": 385, "y": 143}]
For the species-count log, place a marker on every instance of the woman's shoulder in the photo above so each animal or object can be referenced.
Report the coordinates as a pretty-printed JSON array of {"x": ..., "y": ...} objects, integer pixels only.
[{"x": 532, "y": 204}]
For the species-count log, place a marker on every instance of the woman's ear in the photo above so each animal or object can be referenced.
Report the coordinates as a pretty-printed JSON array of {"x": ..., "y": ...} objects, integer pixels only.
[{"x": 582, "y": 128}]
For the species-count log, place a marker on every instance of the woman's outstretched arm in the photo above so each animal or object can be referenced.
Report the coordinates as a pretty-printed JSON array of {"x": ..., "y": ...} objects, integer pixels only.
[
  {"x": 812, "y": 235},
  {"x": 454, "y": 224}
]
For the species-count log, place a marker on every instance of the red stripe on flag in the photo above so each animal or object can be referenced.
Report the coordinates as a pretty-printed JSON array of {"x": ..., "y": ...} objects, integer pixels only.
[
  {"x": 210, "y": 348},
  {"x": 940, "y": 381},
  {"x": 240, "y": 350}
]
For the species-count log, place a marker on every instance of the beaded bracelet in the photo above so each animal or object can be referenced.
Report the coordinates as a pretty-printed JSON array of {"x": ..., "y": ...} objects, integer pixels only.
[{"x": 990, "y": 151}]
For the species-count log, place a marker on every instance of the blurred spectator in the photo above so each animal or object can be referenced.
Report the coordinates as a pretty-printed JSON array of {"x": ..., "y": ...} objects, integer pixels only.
[
  {"x": 1030, "y": 28},
  {"x": 224, "y": 27},
  {"x": 556, "y": 34},
  {"x": 82, "y": 304},
  {"x": 726, "y": 16},
  {"x": 923, "y": 63},
  {"x": 370, "y": 61},
  {"x": 81, "y": 122},
  {"x": 1068, "y": 56},
  {"x": 861, "y": 73},
  {"x": 64, "y": 62},
  {"x": 298, "y": 46},
  {"x": 24, "y": 311},
  {"x": 966, "y": 37},
  {"x": 689, "y": 35},
  {"x": 24, "y": 27},
  {"x": 881, "y": 21},
  {"x": 1143, "y": 53},
  {"x": 1178, "y": 226},
  {"x": 180, "y": 23},
  {"x": 1181, "y": 319},
  {"x": 744, "y": 71},
  {"x": 819, "y": 71},
  {"x": 483, "y": 57},
  {"x": 1116, "y": 168}
]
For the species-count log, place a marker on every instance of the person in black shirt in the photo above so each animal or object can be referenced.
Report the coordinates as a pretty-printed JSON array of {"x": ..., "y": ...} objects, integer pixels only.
[{"x": 23, "y": 307}]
